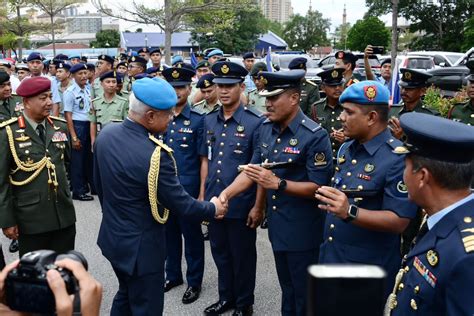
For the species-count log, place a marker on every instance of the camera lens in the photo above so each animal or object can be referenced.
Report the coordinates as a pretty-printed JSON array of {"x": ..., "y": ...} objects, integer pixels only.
[{"x": 76, "y": 256}]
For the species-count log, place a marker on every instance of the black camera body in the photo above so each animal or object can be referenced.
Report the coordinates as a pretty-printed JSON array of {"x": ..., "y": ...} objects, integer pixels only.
[{"x": 26, "y": 287}]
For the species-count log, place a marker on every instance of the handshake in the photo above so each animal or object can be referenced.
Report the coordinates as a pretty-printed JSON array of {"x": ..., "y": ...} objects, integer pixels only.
[{"x": 222, "y": 205}]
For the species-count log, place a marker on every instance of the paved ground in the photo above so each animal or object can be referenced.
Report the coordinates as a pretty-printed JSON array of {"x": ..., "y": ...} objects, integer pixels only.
[{"x": 267, "y": 291}]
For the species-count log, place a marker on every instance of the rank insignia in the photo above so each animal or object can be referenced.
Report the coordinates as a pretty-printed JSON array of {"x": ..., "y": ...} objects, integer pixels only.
[
  {"x": 187, "y": 122},
  {"x": 425, "y": 273},
  {"x": 22, "y": 138},
  {"x": 341, "y": 160},
  {"x": 369, "y": 168},
  {"x": 293, "y": 142},
  {"x": 363, "y": 176},
  {"x": 240, "y": 128},
  {"x": 402, "y": 187},
  {"x": 320, "y": 159},
  {"x": 175, "y": 74},
  {"x": 432, "y": 257},
  {"x": 225, "y": 69},
  {"x": 370, "y": 92},
  {"x": 291, "y": 150},
  {"x": 59, "y": 137}
]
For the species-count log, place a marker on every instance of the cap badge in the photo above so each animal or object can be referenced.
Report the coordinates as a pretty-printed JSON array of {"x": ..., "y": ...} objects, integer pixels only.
[
  {"x": 402, "y": 187},
  {"x": 340, "y": 55},
  {"x": 60, "y": 65},
  {"x": 175, "y": 74},
  {"x": 187, "y": 122},
  {"x": 179, "y": 65},
  {"x": 240, "y": 128},
  {"x": 102, "y": 57},
  {"x": 225, "y": 69},
  {"x": 161, "y": 68},
  {"x": 133, "y": 58},
  {"x": 263, "y": 80},
  {"x": 334, "y": 74},
  {"x": 370, "y": 92},
  {"x": 207, "y": 83},
  {"x": 407, "y": 75}
]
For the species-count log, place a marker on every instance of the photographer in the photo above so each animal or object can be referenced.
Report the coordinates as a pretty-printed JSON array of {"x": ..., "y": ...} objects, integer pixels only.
[
  {"x": 385, "y": 68},
  {"x": 90, "y": 290}
]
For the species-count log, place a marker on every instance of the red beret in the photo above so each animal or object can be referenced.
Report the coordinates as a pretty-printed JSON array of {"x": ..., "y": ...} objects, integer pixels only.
[{"x": 31, "y": 87}]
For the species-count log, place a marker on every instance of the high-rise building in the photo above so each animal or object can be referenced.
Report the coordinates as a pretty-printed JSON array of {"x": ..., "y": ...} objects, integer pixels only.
[{"x": 276, "y": 10}]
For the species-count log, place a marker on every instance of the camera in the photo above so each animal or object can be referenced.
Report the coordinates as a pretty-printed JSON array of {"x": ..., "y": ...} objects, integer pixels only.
[
  {"x": 378, "y": 50},
  {"x": 26, "y": 287}
]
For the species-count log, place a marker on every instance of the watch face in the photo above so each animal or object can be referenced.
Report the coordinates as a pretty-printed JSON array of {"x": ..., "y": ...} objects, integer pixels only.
[{"x": 353, "y": 211}]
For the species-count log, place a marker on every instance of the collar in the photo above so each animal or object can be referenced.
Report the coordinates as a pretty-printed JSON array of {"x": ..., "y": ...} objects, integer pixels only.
[
  {"x": 78, "y": 87},
  {"x": 186, "y": 112},
  {"x": 374, "y": 144},
  {"x": 469, "y": 104},
  {"x": 237, "y": 115},
  {"x": 326, "y": 105},
  {"x": 130, "y": 124},
  {"x": 435, "y": 218},
  {"x": 34, "y": 124},
  {"x": 294, "y": 124}
]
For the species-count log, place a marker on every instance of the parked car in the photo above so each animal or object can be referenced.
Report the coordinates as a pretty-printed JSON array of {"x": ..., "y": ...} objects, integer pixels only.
[
  {"x": 440, "y": 59},
  {"x": 359, "y": 70},
  {"x": 284, "y": 59},
  {"x": 416, "y": 62}
]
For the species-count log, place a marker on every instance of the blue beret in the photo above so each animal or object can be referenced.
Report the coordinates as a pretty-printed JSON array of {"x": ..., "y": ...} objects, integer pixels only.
[
  {"x": 277, "y": 82},
  {"x": 423, "y": 138},
  {"x": 34, "y": 56},
  {"x": 227, "y": 72},
  {"x": 178, "y": 76},
  {"x": 215, "y": 52},
  {"x": 248, "y": 55},
  {"x": 146, "y": 90},
  {"x": 78, "y": 67},
  {"x": 74, "y": 56},
  {"x": 298, "y": 63},
  {"x": 176, "y": 59},
  {"x": 412, "y": 78},
  {"x": 63, "y": 65},
  {"x": 205, "y": 81},
  {"x": 366, "y": 93}
]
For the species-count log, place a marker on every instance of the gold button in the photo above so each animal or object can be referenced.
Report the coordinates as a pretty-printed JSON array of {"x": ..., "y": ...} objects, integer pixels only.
[
  {"x": 27, "y": 152},
  {"x": 344, "y": 186},
  {"x": 401, "y": 286},
  {"x": 290, "y": 160},
  {"x": 413, "y": 304},
  {"x": 219, "y": 162},
  {"x": 332, "y": 120},
  {"x": 360, "y": 188},
  {"x": 221, "y": 153},
  {"x": 348, "y": 174},
  {"x": 337, "y": 168},
  {"x": 274, "y": 207},
  {"x": 222, "y": 144},
  {"x": 330, "y": 238},
  {"x": 218, "y": 180},
  {"x": 416, "y": 289},
  {"x": 278, "y": 140},
  {"x": 354, "y": 161},
  {"x": 331, "y": 226},
  {"x": 467, "y": 219}
]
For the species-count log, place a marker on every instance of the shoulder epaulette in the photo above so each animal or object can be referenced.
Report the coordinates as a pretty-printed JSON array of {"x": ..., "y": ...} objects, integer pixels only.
[
  {"x": 8, "y": 122},
  {"x": 355, "y": 80},
  {"x": 310, "y": 124},
  {"x": 311, "y": 83},
  {"x": 254, "y": 111},
  {"x": 198, "y": 103},
  {"x": 467, "y": 233},
  {"x": 160, "y": 143},
  {"x": 394, "y": 143},
  {"x": 121, "y": 98},
  {"x": 253, "y": 90},
  {"x": 58, "y": 118},
  {"x": 116, "y": 121},
  {"x": 320, "y": 101},
  {"x": 96, "y": 98},
  {"x": 197, "y": 111}
]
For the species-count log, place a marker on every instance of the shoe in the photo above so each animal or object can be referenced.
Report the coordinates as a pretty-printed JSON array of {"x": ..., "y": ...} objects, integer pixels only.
[
  {"x": 218, "y": 308},
  {"x": 83, "y": 197},
  {"x": 171, "y": 284},
  {"x": 264, "y": 224},
  {"x": 192, "y": 293},
  {"x": 244, "y": 311}
]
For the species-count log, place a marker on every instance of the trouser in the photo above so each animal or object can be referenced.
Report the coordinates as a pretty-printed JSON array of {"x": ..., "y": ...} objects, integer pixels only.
[
  {"x": 235, "y": 254},
  {"x": 81, "y": 160},
  {"x": 61, "y": 240},
  {"x": 292, "y": 275},
  {"x": 138, "y": 295}
]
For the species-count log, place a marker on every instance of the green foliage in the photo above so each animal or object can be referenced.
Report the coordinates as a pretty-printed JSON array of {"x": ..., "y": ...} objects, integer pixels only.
[
  {"x": 274, "y": 26},
  {"x": 305, "y": 32},
  {"x": 104, "y": 37},
  {"x": 370, "y": 30},
  {"x": 468, "y": 34},
  {"x": 435, "y": 100}
]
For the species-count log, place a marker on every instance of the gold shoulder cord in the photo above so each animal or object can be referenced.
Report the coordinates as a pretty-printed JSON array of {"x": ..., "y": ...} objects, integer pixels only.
[
  {"x": 153, "y": 175},
  {"x": 35, "y": 167}
]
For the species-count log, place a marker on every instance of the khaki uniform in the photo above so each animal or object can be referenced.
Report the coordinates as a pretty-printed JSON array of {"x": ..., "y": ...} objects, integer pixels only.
[
  {"x": 309, "y": 95},
  {"x": 463, "y": 112},
  {"x": 398, "y": 109},
  {"x": 194, "y": 90},
  {"x": 11, "y": 107},
  {"x": 204, "y": 107},
  {"x": 34, "y": 190},
  {"x": 256, "y": 101},
  {"x": 96, "y": 88},
  {"x": 103, "y": 112},
  {"x": 328, "y": 118}
]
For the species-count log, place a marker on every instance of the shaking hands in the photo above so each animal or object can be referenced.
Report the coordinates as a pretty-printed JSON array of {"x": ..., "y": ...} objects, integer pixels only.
[{"x": 222, "y": 205}]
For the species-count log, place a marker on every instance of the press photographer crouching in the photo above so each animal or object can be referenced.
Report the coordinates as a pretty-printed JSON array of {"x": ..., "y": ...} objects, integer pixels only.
[{"x": 47, "y": 283}]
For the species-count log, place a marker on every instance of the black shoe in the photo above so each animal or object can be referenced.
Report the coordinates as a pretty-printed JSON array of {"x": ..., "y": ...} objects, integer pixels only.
[
  {"x": 244, "y": 311},
  {"x": 218, "y": 308},
  {"x": 83, "y": 197},
  {"x": 192, "y": 293},
  {"x": 14, "y": 246},
  {"x": 264, "y": 224},
  {"x": 171, "y": 284}
]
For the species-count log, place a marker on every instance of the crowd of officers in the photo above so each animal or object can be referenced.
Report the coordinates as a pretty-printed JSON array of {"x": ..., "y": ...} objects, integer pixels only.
[{"x": 326, "y": 174}]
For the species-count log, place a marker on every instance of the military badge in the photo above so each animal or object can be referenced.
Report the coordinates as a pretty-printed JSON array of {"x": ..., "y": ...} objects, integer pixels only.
[
  {"x": 425, "y": 272},
  {"x": 187, "y": 122},
  {"x": 240, "y": 128},
  {"x": 407, "y": 76},
  {"x": 432, "y": 257},
  {"x": 102, "y": 57},
  {"x": 334, "y": 74},
  {"x": 320, "y": 159},
  {"x": 175, "y": 74},
  {"x": 59, "y": 137},
  {"x": 133, "y": 58},
  {"x": 341, "y": 160},
  {"x": 291, "y": 150},
  {"x": 225, "y": 69},
  {"x": 369, "y": 168},
  {"x": 22, "y": 138},
  {"x": 20, "y": 131},
  {"x": 207, "y": 83},
  {"x": 19, "y": 107},
  {"x": 370, "y": 92},
  {"x": 402, "y": 187},
  {"x": 179, "y": 65},
  {"x": 263, "y": 80},
  {"x": 293, "y": 142},
  {"x": 25, "y": 144},
  {"x": 60, "y": 65}
]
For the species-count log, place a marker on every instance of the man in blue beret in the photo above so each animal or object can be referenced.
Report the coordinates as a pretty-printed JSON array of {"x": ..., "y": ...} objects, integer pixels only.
[
  {"x": 346, "y": 61},
  {"x": 309, "y": 89},
  {"x": 184, "y": 135},
  {"x": 230, "y": 139},
  {"x": 74, "y": 59},
  {"x": 302, "y": 149},
  {"x": 437, "y": 276},
  {"x": 208, "y": 91},
  {"x": 368, "y": 206},
  {"x": 138, "y": 188},
  {"x": 249, "y": 61},
  {"x": 214, "y": 56},
  {"x": 63, "y": 77},
  {"x": 104, "y": 64},
  {"x": 77, "y": 105}
]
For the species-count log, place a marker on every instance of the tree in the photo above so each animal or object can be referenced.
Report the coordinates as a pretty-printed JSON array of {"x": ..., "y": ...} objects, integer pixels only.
[
  {"x": 371, "y": 31},
  {"x": 106, "y": 38},
  {"x": 305, "y": 32},
  {"x": 169, "y": 17},
  {"x": 52, "y": 9},
  {"x": 139, "y": 30},
  {"x": 468, "y": 34}
]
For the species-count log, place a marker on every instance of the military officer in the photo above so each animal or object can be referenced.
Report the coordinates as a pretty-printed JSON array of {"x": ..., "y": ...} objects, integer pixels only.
[
  {"x": 346, "y": 61},
  {"x": 74, "y": 59},
  {"x": 104, "y": 64},
  {"x": 145, "y": 54},
  {"x": 436, "y": 277},
  {"x": 108, "y": 107},
  {"x": 209, "y": 93},
  {"x": 254, "y": 98},
  {"x": 137, "y": 184},
  {"x": 184, "y": 135},
  {"x": 63, "y": 76},
  {"x": 464, "y": 112},
  {"x": 136, "y": 65},
  {"x": 231, "y": 134},
  {"x": 295, "y": 224},
  {"x": 22, "y": 71},
  {"x": 327, "y": 111},
  {"x": 11, "y": 104},
  {"x": 249, "y": 61},
  {"x": 77, "y": 105},
  {"x": 202, "y": 68},
  {"x": 368, "y": 205},
  {"x": 214, "y": 55},
  {"x": 309, "y": 90},
  {"x": 36, "y": 205},
  {"x": 155, "y": 57}
]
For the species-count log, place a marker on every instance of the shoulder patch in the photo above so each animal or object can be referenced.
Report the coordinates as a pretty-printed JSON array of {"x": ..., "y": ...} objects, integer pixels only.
[
  {"x": 8, "y": 122},
  {"x": 58, "y": 118},
  {"x": 466, "y": 227},
  {"x": 197, "y": 111},
  {"x": 311, "y": 125},
  {"x": 311, "y": 83},
  {"x": 160, "y": 143},
  {"x": 254, "y": 111}
]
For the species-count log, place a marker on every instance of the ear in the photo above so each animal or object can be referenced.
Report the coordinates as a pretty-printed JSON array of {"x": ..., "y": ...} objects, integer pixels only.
[
  {"x": 372, "y": 118},
  {"x": 242, "y": 87},
  {"x": 424, "y": 177}
]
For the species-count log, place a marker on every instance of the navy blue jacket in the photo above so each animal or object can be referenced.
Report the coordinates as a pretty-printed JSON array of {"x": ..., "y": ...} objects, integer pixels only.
[{"x": 129, "y": 236}]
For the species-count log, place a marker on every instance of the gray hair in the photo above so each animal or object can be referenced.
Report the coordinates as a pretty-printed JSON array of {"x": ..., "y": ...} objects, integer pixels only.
[{"x": 136, "y": 106}]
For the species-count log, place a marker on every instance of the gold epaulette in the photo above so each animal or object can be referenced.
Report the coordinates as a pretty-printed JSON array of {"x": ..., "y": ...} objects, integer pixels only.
[
  {"x": 58, "y": 118},
  {"x": 467, "y": 234},
  {"x": 8, "y": 122},
  {"x": 160, "y": 143},
  {"x": 311, "y": 83}
]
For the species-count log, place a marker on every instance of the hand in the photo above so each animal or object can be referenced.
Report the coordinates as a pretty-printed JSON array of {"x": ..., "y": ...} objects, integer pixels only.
[
  {"x": 255, "y": 217},
  {"x": 90, "y": 289},
  {"x": 4, "y": 309},
  {"x": 262, "y": 176},
  {"x": 338, "y": 135},
  {"x": 76, "y": 145},
  {"x": 335, "y": 201},
  {"x": 11, "y": 232},
  {"x": 395, "y": 128},
  {"x": 368, "y": 51},
  {"x": 222, "y": 206}
]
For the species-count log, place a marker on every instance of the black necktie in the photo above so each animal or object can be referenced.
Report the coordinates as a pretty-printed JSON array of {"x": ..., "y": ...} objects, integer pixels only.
[
  {"x": 422, "y": 232},
  {"x": 40, "y": 130}
]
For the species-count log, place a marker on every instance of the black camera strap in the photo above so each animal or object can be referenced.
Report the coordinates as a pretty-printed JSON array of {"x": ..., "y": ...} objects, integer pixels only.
[{"x": 76, "y": 304}]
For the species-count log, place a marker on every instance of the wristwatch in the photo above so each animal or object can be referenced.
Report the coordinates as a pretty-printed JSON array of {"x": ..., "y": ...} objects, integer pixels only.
[
  {"x": 75, "y": 139},
  {"x": 282, "y": 185},
  {"x": 352, "y": 213}
]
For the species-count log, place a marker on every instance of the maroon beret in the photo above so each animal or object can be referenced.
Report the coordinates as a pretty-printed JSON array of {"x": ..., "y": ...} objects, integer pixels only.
[{"x": 31, "y": 87}]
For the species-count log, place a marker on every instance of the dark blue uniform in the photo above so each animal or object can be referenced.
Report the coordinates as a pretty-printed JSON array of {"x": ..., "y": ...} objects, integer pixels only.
[
  {"x": 372, "y": 177},
  {"x": 129, "y": 236},
  {"x": 228, "y": 144},
  {"x": 295, "y": 224},
  {"x": 184, "y": 136}
]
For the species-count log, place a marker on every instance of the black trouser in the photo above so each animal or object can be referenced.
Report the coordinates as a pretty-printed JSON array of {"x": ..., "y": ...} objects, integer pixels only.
[{"x": 61, "y": 240}]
